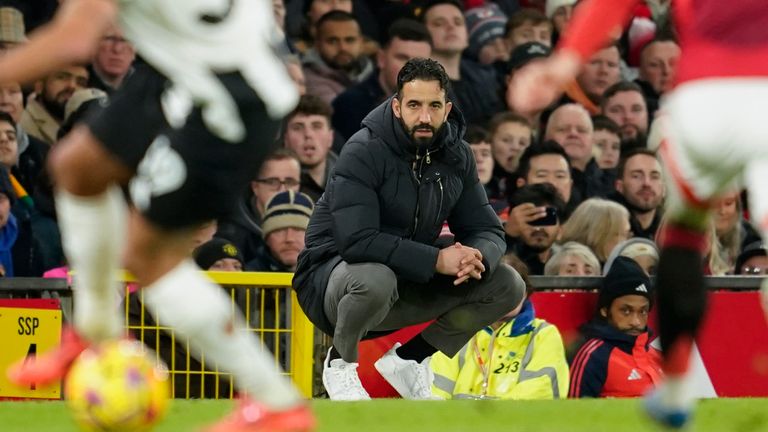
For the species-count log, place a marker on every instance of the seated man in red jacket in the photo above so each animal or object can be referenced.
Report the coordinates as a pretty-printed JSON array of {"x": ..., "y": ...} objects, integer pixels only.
[{"x": 617, "y": 360}]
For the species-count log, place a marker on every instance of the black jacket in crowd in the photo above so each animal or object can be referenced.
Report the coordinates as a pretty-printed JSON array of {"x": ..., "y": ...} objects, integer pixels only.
[{"x": 386, "y": 203}]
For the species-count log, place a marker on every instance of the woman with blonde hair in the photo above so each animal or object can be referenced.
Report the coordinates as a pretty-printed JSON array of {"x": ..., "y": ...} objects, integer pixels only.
[
  {"x": 573, "y": 259},
  {"x": 599, "y": 224}
]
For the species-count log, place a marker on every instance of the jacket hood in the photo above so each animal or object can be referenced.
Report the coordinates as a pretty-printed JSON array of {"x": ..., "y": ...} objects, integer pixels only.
[{"x": 383, "y": 123}]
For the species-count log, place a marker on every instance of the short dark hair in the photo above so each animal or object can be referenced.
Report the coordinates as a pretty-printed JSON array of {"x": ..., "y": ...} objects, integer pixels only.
[
  {"x": 629, "y": 154},
  {"x": 540, "y": 149},
  {"x": 506, "y": 117},
  {"x": 539, "y": 194},
  {"x": 601, "y": 122},
  {"x": 425, "y": 70},
  {"x": 311, "y": 105},
  {"x": 661, "y": 37},
  {"x": 408, "y": 30},
  {"x": 421, "y": 12},
  {"x": 4, "y": 116},
  {"x": 621, "y": 86},
  {"x": 476, "y": 134},
  {"x": 534, "y": 16},
  {"x": 335, "y": 16}
]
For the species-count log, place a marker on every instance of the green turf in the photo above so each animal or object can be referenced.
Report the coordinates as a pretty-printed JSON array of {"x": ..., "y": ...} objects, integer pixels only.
[{"x": 738, "y": 415}]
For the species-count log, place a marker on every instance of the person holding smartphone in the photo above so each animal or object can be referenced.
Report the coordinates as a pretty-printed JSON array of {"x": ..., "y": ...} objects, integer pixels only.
[{"x": 534, "y": 245}]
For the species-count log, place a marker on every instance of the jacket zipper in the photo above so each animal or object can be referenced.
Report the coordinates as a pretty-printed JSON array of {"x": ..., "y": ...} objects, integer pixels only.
[{"x": 440, "y": 206}]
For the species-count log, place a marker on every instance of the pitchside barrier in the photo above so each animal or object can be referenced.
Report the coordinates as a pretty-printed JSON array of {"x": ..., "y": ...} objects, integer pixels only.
[{"x": 731, "y": 355}]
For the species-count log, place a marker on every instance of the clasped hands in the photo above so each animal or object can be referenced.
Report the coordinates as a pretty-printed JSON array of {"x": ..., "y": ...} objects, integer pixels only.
[{"x": 461, "y": 261}]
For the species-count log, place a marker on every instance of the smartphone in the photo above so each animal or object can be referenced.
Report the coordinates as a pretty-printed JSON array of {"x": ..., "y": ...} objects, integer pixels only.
[{"x": 549, "y": 219}]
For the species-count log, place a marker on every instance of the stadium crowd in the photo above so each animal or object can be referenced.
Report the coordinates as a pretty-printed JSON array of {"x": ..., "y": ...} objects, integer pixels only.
[{"x": 578, "y": 188}]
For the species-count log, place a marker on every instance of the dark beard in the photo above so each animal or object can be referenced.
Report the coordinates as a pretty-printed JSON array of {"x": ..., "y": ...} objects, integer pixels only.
[
  {"x": 537, "y": 248},
  {"x": 639, "y": 141},
  {"x": 420, "y": 142},
  {"x": 54, "y": 108}
]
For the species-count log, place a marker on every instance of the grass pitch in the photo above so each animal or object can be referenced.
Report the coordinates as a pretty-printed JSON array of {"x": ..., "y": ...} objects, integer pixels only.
[{"x": 596, "y": 415}]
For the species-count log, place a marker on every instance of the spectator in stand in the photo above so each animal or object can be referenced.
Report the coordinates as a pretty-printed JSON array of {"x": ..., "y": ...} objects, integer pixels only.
[
  {"x": 658, "y": 61},
  {"x": 510, "y": 136},
  {"x": 734, "y": 232},
  {"x": 625, "y": 104},
  {"x": 407, "y": 39},
  {"x": 12, "y": 30},
  {"x": 46, "y": 106},
  {"x": 29, "y": 155},
  {"x": 528, "y": 25},
  {"x": 479, "y": 141},
  {"x": 522, "y": 55},
  {"x": 9, "y": 229},
  {"x": 571, "y": 126},
  {"x": 485, "y": 28},
  {"x": 598, "y": 224},
  {"x": 640, "y": 188},
  {"x": 535, "y": 244},
  {"x": 600, "y": 72},
  {"x": 279, "y": 172},
  {"x": 309, "y": 135},
  {"x": 617, "y": 359},
  {"x": 369, "y": 265},
  {"x": 285, "y": 222},
  {"x": 606, "y": 141},
  {"x": 475, "y": 89},
  {"x": 336, "y": 61},
  {"x": 113, "y": 61},
  {"x": 519, "y": 357},
  {"x": 560, "y": 12},
  {"x": 30, "y": 248},
  {"x": 314, "y": 10},
  {"x": 218, "y": 255},
  {"x": 547, "y": 162},
  {"x": 573, "y": 259},
  {"x": 643, "y": 251},
  {"x": 753, "y": 261}
]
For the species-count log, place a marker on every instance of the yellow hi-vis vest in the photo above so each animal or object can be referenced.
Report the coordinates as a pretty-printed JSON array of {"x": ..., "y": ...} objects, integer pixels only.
[{"x": 529, "y": 365}]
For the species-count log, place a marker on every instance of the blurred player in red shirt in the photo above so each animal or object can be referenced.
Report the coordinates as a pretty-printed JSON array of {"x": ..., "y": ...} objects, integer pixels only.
[{"x": 715, "y": 135}]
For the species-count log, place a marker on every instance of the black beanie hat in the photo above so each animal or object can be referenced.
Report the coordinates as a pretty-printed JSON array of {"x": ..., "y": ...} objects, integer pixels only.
[
  {"x": 625, "y": 277},
  {"x": 211, "y": 251}
]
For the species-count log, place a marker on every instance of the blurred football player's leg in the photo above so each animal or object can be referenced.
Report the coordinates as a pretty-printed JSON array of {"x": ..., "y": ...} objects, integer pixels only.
[
  {"x": 91, "y": 212},
  {"x": 181, "y": 297},
  {"x": 682, "y": 296}
]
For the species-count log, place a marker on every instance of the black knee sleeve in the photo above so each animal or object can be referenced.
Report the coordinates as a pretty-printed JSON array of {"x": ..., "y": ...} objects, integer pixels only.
[{"x": 682, "y": 297}]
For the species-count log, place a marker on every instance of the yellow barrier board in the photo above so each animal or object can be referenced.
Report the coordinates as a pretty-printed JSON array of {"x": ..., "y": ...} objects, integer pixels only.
[{"x": 27, "y": 331}]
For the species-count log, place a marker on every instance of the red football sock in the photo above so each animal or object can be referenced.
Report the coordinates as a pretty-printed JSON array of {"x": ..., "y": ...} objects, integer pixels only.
[
  {"x": 676, "y": 361},
  {"x": 674, "y": 235}
]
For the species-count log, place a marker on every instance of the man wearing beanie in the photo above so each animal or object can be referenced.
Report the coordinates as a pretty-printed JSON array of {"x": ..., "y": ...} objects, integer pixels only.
[
  {"x": 617, "y": 360},
  {"x": 285, "y": 221},
  {"x": 485, "y": 25}
]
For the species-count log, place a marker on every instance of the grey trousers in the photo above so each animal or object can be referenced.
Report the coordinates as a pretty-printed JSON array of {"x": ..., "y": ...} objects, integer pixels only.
[{"x": 369, "y": 297}]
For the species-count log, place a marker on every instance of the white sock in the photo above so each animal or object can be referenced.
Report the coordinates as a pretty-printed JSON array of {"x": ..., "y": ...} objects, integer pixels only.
[
  {"x": 93, "y": 235},
  {"x": 196, "y": 308},
  {"x": 676, "y": 392}
]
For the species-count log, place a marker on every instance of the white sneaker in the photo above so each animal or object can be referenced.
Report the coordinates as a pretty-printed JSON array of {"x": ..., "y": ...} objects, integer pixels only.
[
  {"x": 341, "y": 380},
  {"x": 413, "y": 380}
]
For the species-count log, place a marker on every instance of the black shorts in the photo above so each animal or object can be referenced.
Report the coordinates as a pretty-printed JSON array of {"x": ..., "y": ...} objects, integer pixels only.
[{"x": 183, "y": 176}]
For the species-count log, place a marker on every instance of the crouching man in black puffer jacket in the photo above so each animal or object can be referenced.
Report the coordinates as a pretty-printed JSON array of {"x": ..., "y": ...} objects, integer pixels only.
[{"x": 370, "y": 263}]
